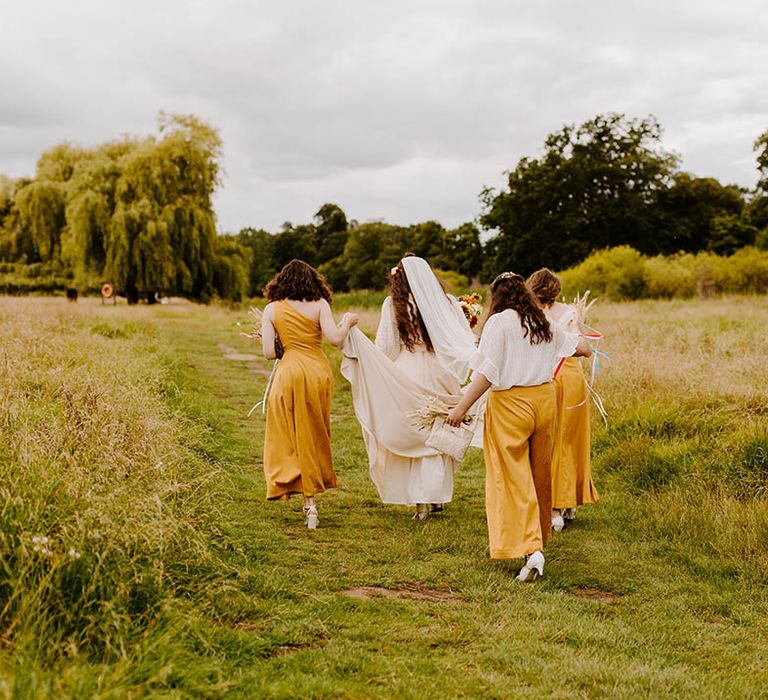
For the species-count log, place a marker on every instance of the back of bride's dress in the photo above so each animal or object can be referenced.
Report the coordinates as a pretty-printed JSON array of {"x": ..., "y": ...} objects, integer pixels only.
[{"x": 403, "y": 470}]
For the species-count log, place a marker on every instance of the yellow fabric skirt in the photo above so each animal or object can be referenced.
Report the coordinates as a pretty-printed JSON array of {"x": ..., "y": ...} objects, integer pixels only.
[
  {"x": 518, "y": 440},
  {"x": 571, "y": 473}
]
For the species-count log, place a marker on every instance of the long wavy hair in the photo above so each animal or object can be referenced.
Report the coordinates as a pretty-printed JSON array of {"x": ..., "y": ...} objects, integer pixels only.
[
  {"x": 300, "y": 281},
  {"x": 545, "y": 285},
  {"x": 410, "y": 324},
  {"x": 509, "y": 291}
]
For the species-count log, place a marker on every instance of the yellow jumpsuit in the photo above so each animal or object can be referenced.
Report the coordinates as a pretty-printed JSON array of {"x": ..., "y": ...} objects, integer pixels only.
[{"x": 571, "y": 473}]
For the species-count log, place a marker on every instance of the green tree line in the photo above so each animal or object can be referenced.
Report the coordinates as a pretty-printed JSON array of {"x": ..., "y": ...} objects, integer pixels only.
[{"x": 138, "y": 212}]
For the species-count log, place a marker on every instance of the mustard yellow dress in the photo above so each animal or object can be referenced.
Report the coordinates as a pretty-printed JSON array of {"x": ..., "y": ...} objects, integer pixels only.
[
  {"x": 571, "y": 472},
  {"x": 297, "y": 443}
]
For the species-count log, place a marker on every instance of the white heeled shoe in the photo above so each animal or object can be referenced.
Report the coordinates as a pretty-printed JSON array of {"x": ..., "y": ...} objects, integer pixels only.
[
  {"x": 569, "y": 514},
  {"x": 558, "y": 522},
  {"x": 422, "y": 511},
  {"x": 534, "y": 567},
  {"x": 310, "y": 517}
]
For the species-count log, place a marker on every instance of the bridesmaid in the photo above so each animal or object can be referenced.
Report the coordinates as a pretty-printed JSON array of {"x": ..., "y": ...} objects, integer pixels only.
[
  {"x": 571, "y": 474},
  {"x": 297, "y": 443},
  {"x": 518, "y": 348}
]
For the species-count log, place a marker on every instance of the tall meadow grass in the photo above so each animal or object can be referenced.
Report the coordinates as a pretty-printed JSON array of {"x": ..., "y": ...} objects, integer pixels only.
[
  {"x": 101, "y": 501},
  {"x": 687, "y": 432},
  {"x": 139, "y": 558}
]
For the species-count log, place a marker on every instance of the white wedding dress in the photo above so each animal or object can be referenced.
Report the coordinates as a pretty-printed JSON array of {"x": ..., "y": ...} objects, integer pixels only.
[{"x": 389, "y": 382}]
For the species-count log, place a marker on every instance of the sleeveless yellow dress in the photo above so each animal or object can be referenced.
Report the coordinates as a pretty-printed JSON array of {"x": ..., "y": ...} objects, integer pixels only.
[{"x": 297, "y": 442}]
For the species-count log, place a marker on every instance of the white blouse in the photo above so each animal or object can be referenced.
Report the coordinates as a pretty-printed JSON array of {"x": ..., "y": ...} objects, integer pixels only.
[{"x": 508, "y": 359}]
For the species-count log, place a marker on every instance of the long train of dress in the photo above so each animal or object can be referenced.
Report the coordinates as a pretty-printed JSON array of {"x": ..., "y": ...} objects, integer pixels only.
[{"x": 403, "y": 469}]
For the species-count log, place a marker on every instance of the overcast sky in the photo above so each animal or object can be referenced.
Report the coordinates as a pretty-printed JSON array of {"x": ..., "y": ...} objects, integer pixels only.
[{"x": 400, "y": 110}]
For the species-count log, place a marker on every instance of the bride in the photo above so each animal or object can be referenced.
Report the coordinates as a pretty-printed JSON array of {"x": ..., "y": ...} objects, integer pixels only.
[{"x": 423, "y": 348}]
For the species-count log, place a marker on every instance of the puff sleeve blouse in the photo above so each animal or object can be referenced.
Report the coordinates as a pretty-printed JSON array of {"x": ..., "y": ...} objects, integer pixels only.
[{"x": 507, "y": 358}]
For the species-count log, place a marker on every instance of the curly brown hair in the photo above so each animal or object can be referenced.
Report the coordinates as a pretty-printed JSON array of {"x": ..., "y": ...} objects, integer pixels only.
[
  {"x": 509, "y": 291},
  {"x": 300, "y": 281},
  {"x": 545, "y": 285},
  {"x": 410, "y": 324}
]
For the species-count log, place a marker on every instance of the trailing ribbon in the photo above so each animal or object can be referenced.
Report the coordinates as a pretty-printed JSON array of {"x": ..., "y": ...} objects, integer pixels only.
[
  {"x": 596, "y": 398},
  {"x": 263, "y": 402}
]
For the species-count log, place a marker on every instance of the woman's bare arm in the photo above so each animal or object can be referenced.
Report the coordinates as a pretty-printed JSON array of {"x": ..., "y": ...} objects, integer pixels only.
[
  {"x": 335, "y": 334},
  {"x": 268, "y": 333},
  {"x": 477, "y": 387}
]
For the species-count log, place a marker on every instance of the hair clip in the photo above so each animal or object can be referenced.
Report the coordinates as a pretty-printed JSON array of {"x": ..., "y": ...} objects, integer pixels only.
[
  {"x": 393, "y": 271},
  {"x": 505, "y": 276}
]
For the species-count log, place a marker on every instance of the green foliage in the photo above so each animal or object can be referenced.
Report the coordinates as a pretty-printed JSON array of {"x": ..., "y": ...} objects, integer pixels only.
[
  {"x": 331, "y": 232},
  {"x": 617, "y": 273},
  {"x": 453, "y": 282},
  {"x": 749, "y": 468},
  {"x": 369, "y": 253},
  {"x": 361, "y": 299},
  {"x": 17, "y": 279},
  {"x": 41, "y": 212},
  {"x": 231, "y": 268},
  {"x": 761, "y": 148},
  {"x": 730, "y": 233},
  {"x": 260, "y": 243},
  {"x": 698, "y": 213},
  {"x": 135, "y": 211},
  {"x": 596, "y": 185},
  {"x": 373, "y": 248},
  {"x": 138, "y": 211},
  {"x": 622, "y": 273}
]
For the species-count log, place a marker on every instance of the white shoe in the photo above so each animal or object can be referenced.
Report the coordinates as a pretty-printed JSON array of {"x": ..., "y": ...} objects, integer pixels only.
[
  {"x": 311, "y": 519},
  {"x": 569, "y": 514},
  {"x": 534, "y": 567},
  {"x": 558, "y": 522},
  {"x": 422, "y": 511}
]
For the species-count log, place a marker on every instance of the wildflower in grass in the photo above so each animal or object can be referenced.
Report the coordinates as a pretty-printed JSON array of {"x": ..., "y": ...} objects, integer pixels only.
[
  {"x": 41, "y": 545},
  {"x": 74, "y": 554}
]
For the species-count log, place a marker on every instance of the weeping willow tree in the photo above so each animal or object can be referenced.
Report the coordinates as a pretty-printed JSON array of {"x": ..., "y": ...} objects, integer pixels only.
[
  {"x": 162, "y": 232},
  {"x": 40, "y": 206},
  {"x": 91, "y": 189},
  {"x": 134, "y": 211}
]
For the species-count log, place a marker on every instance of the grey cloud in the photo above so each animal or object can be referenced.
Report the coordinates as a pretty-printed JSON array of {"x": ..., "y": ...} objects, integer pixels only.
[{"x": 402, "y": 110}]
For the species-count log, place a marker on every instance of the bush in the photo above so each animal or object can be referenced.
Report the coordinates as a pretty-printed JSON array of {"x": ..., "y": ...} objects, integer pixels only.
[
  {"x": 454, "y": 282},
  {"x": 617, "y": 273},
  {"x": 670, "y": 277},
  {"x": 622, "y": 273},
  {"x": 38, "y": 278}
]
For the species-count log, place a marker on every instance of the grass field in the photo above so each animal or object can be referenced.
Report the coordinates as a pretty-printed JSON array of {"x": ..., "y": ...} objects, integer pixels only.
[{"x": 124, "y": 440}]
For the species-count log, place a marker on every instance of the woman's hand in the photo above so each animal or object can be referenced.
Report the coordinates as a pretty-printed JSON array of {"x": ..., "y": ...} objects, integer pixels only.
[
  {"x": 455, "y": 416},
  {"x": 477, "y": 387},
  {"x": 349, "y": 319}
]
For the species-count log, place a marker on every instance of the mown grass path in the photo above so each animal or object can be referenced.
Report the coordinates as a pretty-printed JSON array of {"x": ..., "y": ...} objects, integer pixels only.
[{"x": 624, "y": 609}]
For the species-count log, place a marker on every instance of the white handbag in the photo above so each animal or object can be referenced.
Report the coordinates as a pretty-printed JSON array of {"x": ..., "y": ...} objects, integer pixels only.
[{"x": 448, "y": 440}]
